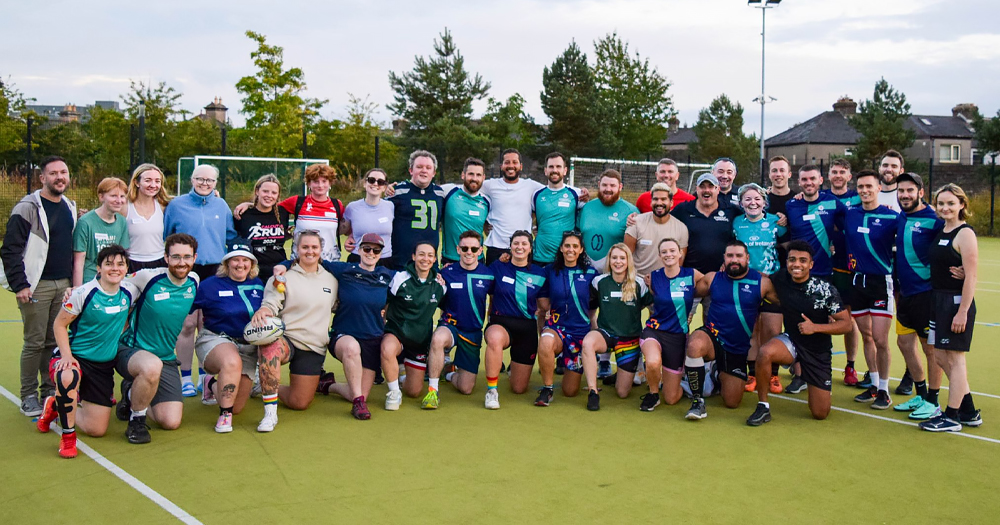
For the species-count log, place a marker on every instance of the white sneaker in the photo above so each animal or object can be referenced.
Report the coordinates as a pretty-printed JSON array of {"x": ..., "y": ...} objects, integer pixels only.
[
  {"x": 492, "y": 399},
  {"x": 640, "y": 374},
  {"x": 207, "y": 396},
  {"x": 393, "y": 399},
  {"x": 224, "y": 424},
  {"x": 269, "y": 422}
]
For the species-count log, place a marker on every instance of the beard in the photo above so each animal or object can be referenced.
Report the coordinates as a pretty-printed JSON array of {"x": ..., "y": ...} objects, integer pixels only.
[
  {"x": 608, "y": 200},
  {"x": 472, "y": 186},
  {"x": 735, "y": 270},
  {"x": 507, "y": 175},
  {"x": 910, "y": 207},
  {"x": 660, "y": 210}
]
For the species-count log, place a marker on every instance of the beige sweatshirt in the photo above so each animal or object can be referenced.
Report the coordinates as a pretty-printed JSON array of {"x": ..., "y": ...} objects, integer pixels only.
[{"x": 306, "y": 307}]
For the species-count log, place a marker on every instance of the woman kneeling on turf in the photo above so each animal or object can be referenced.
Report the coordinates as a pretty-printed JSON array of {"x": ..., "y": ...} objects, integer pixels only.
[
  {"x": 83, "y": 366},
  {"x": 621, "y": 296},
  {"x": 227, "y": 300},
  {"x": 304, "y": 305}
]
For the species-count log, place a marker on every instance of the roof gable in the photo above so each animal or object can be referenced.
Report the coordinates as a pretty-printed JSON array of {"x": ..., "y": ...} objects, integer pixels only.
[{"x": 829, "y": 127}]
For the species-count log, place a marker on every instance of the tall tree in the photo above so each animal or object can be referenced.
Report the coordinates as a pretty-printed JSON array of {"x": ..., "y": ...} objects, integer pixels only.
[
  {"x": 108, "y": 134},
  {"x": 880, "y": 122},
  {"x": 350, "y": 144},
  {"x": 634, "y": 98},
  {"x": 986, "y": 133},
  {"x": 569, "y": 98},
  {"x": 12, "y": 124},
  {"x": 720, "y": 134},
  {"x": 274, "y": 103},
  {"x": 162, "y": 108},
  {"x": 508, "y": 125}
]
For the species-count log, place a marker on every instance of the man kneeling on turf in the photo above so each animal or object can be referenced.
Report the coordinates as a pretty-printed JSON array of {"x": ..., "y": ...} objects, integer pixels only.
[{"x": 812, "y": 312}]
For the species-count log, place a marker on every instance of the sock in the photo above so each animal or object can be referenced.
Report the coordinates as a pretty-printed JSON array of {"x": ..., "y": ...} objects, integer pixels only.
[
  {"x": 694, "y": 367},
  {"x": 491, "y": 383},
  {"x": 393, "y": 386},
  {"x": 765, "y": 403},
  {"x": 269, "y": 399},
  {"x": 433, "y": 382},
  {"x": 932, "y": 395},
  {"x": 906, "y": 375},
  {"x": 225, "y": 411},
  {"x": 874, "y": 377},
  {"x": 850, "y": 364},
  {"x": 605, "y": 357},
  {"x": 138, "y": 413},
  {"x": 70, "y": 430},
  {"x": 921, "y": 388},
  {"x": 752, "y": 366},
  {"x": 211, "y": 382},
  {"x": 547, "y": 386},
  {"x": 450, "y": 377},
  {"x": 951, "y": 413},
  {"x": 883, "y": 384},
  {"x": 967, "y": 406},
  {"x": 185, "y": 376},
  {"x": 774, "y": 369}
]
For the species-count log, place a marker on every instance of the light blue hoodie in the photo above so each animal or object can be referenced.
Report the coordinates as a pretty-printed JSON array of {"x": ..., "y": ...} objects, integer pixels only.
[{"x": 207, "y": 218}]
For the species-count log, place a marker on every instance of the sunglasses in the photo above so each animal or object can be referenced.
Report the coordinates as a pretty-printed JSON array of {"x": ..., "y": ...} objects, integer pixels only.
[
  {"x": 371, "y": 249},
  {"x": 376, "y": 181},
  {"x": 467, "y": 249}
]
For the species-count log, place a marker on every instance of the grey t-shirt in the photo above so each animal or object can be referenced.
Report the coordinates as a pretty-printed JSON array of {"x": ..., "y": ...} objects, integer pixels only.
[{"x": 365, "y": 218}]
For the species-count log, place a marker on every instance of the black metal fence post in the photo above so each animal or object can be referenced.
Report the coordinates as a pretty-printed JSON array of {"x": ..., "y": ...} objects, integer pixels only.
[
  {"x": 930, "y": 172},
  {"x": 993, "y": 188},
  {"x": 29, "y": 165},
  {"x": 305, "y": 142},
  {"x": 376, "y": 150},
  {"x": 222, "y": 151}
]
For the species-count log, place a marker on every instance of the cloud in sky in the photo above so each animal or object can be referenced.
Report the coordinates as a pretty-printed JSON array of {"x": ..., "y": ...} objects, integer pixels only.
[{"x": 939, "y": 53}]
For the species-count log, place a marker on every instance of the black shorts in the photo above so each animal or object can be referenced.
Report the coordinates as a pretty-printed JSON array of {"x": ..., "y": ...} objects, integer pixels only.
[
  {"x": 97, "y": 380},
  {"x": 304, "y": 362},
  {"x": 523, "y": 336},
  {"x": 371, "y": 350},
  {"x": 169, "y": 388},
  {"x": 767, "y": 307},
  {"x": 492, "y": 254},
  {"x": 871, "y": 294},
  {"x": 815, "y": 366},
  {"x": 946, "y": 305},
  {"x": 841, "y": 280},
  {"x": 135, "y": 266},
  {"x": 725, "y": 361},
  {"x": 672, "y": 347},
  {"x": 204, "y": 271},
  {"x": 414, "y": 354},
  {"x": 914, "y": 312}
]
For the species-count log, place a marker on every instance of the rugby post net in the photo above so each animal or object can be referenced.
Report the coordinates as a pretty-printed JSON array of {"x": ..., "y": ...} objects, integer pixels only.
[
  {"x": 637, "y": 175},
  {"x": 237, "y": 175}
]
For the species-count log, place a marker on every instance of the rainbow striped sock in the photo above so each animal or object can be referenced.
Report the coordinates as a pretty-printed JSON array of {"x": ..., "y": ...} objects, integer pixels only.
[
  {"x": 270, "y": 399},
  {"x": 491, "y": 383}
]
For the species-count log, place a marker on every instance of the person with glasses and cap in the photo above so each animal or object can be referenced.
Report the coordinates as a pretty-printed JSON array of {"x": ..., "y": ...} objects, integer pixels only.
[
  {"x": 725, "y": 172},
  {"x": 372, "y": 214},
  {"x": 465, "y": 209}
]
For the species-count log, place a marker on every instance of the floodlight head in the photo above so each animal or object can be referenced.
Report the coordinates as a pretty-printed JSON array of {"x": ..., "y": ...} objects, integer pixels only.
[{"x": 763, "y": 3}]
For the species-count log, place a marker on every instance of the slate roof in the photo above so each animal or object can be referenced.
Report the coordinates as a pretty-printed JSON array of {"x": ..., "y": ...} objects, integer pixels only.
[
  {"x": 939, "y": 126},
  {"x": 829, "y": 127},
  {"x": 682, "y": 136}
]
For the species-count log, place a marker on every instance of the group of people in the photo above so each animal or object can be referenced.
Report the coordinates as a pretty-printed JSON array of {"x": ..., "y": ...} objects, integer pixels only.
[{"x": 144, "y": 282}]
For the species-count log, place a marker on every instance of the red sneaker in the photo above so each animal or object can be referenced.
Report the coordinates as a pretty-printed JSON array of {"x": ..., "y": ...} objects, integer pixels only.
[
  {"x": 49, "y": 414},
  {"x": 850, "y": 376},
  {"x": 360, "y": 409},
  {"x": 67, "y": 445},
  {"x": 775, "y": 386},
  {"x": 751, "y": 384},
  {"x": 326, "y": 380}
]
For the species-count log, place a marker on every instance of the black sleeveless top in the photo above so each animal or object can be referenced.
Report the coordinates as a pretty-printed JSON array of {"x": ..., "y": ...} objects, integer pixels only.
[{"x": 943, "y": 256}]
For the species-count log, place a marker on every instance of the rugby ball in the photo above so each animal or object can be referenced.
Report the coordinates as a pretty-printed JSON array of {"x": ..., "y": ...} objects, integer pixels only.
[{"x": 269, "y": 332}]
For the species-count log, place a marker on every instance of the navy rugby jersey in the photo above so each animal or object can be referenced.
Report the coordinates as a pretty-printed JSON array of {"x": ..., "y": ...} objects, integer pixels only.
[
  {"x": 915, "y": 235},
  {"x": 569, "y": 294},
  {"x": 363, "y": 295},
  {"x": 227, "y": 305},
  {"x": 418, "y": 213},
  {"x": 516, "y": 289},
  {"x": 870, "y": 238},
  {"x": 672, "y": 300},
  {"x": 813, "y": 223},
  {"x": 849, "y": 199},
  {"x": 733, "y": 312},
  {"x": 464, "y": 305}
]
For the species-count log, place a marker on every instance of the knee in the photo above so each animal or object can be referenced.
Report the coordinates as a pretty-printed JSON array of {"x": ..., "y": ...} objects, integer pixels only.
[
  {"x": 671, "y": 398},
  {"x": 820, "y": 413},
  {"x": 464, "y": 389},
  {"x": 170, "y": 422},
  {"x": 150, "y": 369},
  {"x": 296, "y": 403},
  {"x": 518, "y": 389},
  {"x": 731, "y": 403},
  {"x": 654, "y": 362},
  {"x": 623, "y": 392},
  {"x": 97, "y": 432},
  {"x": 439, "y": 341}
]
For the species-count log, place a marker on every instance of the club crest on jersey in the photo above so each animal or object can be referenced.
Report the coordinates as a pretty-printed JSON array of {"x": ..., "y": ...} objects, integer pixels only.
[
  {"x": 880, "y": 304},
  {"x": 878, "y": 221},
  {"x": 764, "y": 224},
  {"x": 408, "y": 298}
]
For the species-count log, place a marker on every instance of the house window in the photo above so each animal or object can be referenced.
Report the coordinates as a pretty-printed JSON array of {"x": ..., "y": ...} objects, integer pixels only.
[
  {"x": 950, "y": 153},
  {"x": 848, "y": 152}
]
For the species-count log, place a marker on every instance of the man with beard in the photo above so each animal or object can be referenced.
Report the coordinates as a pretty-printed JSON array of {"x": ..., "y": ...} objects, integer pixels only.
[
  {"x": 37, "y": 257},
  {"x": 603, "y": 222},
  {"x": 417, "y": 203},
  {"x": 554, "y": 207},
  {"x": 644, "y": 235},
  {"x": 811, "y": 219},
  {"x": 840, "y": 179},
  {"x": 724, "y": 170},
  {"x": 667, "y": 173},
  {"x": 725, "y": 338},
  {"x": 146, "y": 360},
  {"x": 464, "y": 208},
  {"x": 918, "y": 226}
]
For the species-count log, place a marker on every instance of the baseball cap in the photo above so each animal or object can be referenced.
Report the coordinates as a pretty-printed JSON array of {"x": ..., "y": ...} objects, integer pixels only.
[
  {"x": 239, "y": 247},
  {"x": 372, "y": 238},
  {"x": 911, "y": 177},
  {"x": 707, "y": 177}
]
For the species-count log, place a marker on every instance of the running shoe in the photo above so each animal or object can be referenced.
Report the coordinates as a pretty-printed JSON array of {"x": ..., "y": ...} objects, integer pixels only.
[
  {"x": 30, "y": 406},
  {"x": 603, "y": 369},
  {"x": 760, "y": 415},
  {"x": 593, "y": 401},
  {"x": 492, "y": 399},
  {"x": 379, "y": 378},
  {"x": 797, "y": 386},
  {"x": 882, "y": 400},
  {"x": 971, "y": 420},
  {"x": 67, "y": 445},
  {"x": 430, "y": 401},
  {"x": 776, "y": 388},
  {"x": 640, "y": 374},
  {"x": 905, "y": 386},
  {"x": 393, "y": 399},
  {"x": 124, "y": 407},
  {"x": 611, "y": 380},
  {"x": 751, "y": 385},
  {"x": 560, "y": 368},
  {"x": 867, "y": 396},
  {"x": 188, "y": 389},
  {"x": 137, "y": 431},
  {"x": 649, "y": 402},
  {"x": 850, "y": 376},
  {"x": 255, "y": 390},
  {"x": 225, "y": 423},
  {"x": 941, "y": 423},
  {"x": 914, "y": 403},
  {"x": 207, "y": 396},
  {"x": 49, "y": 414},
  {"x": 326, "y": 380},
  {"x": 697, "y": 410},
  {"x": 544, "y": 397},
  {"x": 866, "y": 381},
  {"x": 269, "y": 422},
  {"x": 925, "y": 411},
  {"x": 360, "y": 409}
]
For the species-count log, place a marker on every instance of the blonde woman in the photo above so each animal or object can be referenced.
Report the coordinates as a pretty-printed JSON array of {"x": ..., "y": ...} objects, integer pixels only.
[
  {"x": 100, "y": 228},
  {"x": 265, "y": 225},
  {"x": 621, "y": 295},
  {"x": 146, "y": 201}
]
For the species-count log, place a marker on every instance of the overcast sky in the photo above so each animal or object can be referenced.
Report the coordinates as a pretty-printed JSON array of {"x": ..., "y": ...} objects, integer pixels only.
[{"x": 939, "y": 53}]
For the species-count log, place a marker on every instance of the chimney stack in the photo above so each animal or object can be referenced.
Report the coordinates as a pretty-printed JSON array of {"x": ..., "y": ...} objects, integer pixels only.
[
  {"x": 967, "y": 111},
  {"x": 216, "y": 111},
  {"x": 845, "y": 106},
  {"x": 673, "y": 123}
]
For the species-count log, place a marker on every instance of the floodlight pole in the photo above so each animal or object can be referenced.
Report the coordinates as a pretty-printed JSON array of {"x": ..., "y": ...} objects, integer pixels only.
[
  {"x": 142, "y": 131},
  {"x": 763, "y": 5}
]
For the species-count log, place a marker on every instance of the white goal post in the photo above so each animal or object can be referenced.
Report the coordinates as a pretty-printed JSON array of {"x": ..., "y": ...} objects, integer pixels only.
[{"x": 637, "y": 175}]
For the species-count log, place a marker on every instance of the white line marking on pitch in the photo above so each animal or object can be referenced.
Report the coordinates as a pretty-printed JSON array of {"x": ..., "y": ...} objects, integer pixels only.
[
  {"x": 889, "y": 419},
  {"x": 942, "y": 388},
  {"x": 129, "y": 479}
]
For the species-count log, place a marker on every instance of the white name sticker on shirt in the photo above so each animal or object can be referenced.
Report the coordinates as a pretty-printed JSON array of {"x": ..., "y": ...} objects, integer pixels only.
[
  {"x": 616, "y": 294},
  {"x": 329, "y": 214},
  {"x": 809, "y": 217},
  {"x": 646, "y": 242},
  {"x": 161, "y": 296},
  {"x": 457, "y": 285},
  {"x": 563, "y": 204},
  {"x": 474, "y": 213},
  {"x": 679, "y": 295},
  {"x": 116, "y": 309},
  {"x": 383, "y": 220},
  {"x": 943, "y": 242},
  {"x": 101, "y": 236},
  {"x": 225, "y": 293},
  {"x": 862, "y": 229},
  {"x": 958, "y": 299},
  {"x": 508, "y": 280}
]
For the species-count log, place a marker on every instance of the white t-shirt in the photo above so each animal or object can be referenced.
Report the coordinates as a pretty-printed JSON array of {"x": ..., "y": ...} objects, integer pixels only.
[
  {"x": 510, "y": 208},
  {"x": 889, "y": 200},
  {"x": 145, "y": 235}
]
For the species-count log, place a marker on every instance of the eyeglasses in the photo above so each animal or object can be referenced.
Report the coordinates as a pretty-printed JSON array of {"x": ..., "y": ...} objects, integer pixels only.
[
  {"x": 467, "y": 249},
  {"x": 179, "y": 258},
  {"x": 203, "y": 180},
  {"x": 376, "y": 181},
  {"x": 371, "y": 249},
  {"x": 578, "y": 233}
]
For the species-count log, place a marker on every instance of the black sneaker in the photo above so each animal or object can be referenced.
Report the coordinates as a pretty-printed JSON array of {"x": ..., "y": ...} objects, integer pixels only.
[
  {"x": 593, "y": 401},
  {"x": 867, "y": 396},
  {"x": 797, "y": 386},
  {"x": 124, "y": 408},
  {"x": 760, "y": 415},
  {"x": 971, "y": 420},
  {"x": 649, "y": 402},
  {"x": 610, "y": 380},
  {"x": 544, "y": 397},
  {"x": 941, "y": 423},
  {"x": 866, "y": 381},
  {"x": 882, "y": 400},
  {"x": 905, "y": 387},
  {"x": 379, "y": 378},
  {"x": 326, "y": 380},
  {"x": 697, "y": 410},
  {"x": 138, "y": 431},
  {"x": 560, "y": 369}
]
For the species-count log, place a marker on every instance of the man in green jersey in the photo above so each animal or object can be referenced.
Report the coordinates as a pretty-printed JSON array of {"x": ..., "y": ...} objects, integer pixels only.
[
  {"x": 151, "y": 379},
  {"x": 603, "y": 222},
  {"x": 554, "y": 208},
  {"x": 465, "y": 208}
]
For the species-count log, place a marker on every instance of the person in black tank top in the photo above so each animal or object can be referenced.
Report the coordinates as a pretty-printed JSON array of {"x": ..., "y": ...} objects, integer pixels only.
[{"x": 954, "y": 258}]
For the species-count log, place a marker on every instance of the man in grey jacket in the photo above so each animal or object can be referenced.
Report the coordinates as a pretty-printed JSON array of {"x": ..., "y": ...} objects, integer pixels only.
[{"x": 37, "y": 257}]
